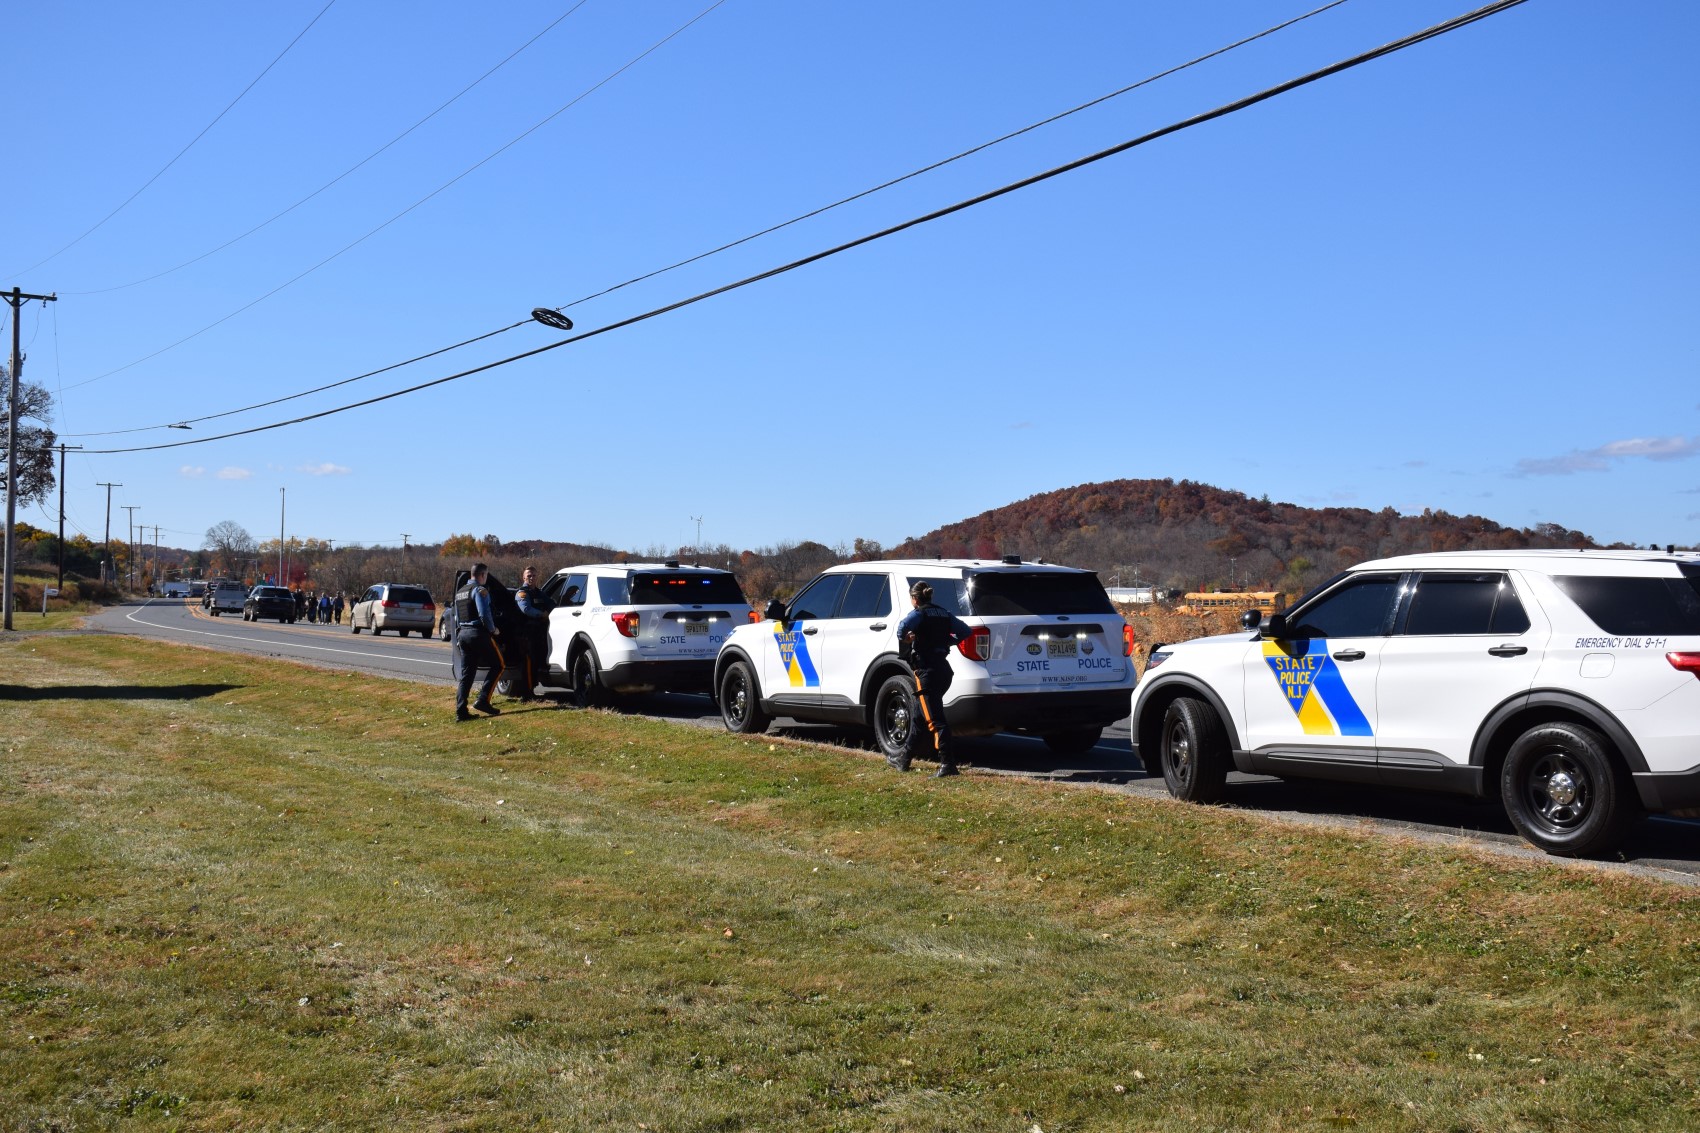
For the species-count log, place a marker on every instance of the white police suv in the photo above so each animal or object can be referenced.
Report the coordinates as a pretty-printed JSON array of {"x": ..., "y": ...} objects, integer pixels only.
[
  {"x": 1048, "y": 656},
  {"x": 638, "y": 627},
  {"x": 1564, "y": 683}
]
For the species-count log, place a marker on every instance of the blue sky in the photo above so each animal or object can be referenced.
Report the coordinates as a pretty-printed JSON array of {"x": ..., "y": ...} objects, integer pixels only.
[{"x": 1463, "y": 277}]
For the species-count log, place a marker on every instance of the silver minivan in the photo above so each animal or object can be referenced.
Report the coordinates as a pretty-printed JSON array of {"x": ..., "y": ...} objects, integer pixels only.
[{"x": 394, "y": 605}]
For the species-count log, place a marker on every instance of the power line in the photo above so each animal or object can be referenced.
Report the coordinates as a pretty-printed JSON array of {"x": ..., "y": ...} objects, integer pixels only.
[
  {"x": 346, "y": 172},
  {"x": 451, "y": 182},
  {"x": 1027, "y": 182},
  {"x": 126, "y": 202},
  {"x": 925, "y": 169},
  {"x": 746, "y": 239}
]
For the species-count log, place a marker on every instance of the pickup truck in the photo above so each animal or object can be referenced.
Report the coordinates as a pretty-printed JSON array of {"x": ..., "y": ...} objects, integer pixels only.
[{"x": 227, "y": 598}]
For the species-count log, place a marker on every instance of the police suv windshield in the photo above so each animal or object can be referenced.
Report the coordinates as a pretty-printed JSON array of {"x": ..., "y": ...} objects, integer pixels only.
[
  {"x": 683, "y": 588},
  {"x": 995, "y": 593}
]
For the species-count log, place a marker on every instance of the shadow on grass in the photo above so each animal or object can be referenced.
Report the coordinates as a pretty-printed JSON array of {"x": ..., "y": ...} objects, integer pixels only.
[{"x": 113, "y": 692}]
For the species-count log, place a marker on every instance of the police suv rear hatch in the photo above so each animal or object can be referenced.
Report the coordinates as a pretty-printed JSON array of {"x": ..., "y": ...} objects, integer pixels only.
[
  {"x": 1048, "y": 628},
  {"x": 683, "y": 614}
]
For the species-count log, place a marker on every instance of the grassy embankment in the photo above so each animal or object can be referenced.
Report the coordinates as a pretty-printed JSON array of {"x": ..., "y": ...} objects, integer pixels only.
[
  {"x": 236, "y": 894},
  {"x": 64, "y": 612}
]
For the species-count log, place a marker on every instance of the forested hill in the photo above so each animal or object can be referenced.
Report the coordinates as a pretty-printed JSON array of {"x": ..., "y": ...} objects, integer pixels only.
[{"x": 1190, "y": 536}]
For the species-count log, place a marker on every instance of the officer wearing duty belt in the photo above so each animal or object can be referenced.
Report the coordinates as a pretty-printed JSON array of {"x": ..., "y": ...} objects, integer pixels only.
[
  {"x": 475, "y": 637},
  {"x": 924, "y": 638}
]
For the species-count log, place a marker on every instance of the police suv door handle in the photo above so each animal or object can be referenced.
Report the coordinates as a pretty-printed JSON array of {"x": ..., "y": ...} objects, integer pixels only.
[
  {"x": 877, "y": 626},
  {"x": 1508, "y": 650},
  {"x": 812, "y": 630},
  {"x": 1349, "y": 655}
]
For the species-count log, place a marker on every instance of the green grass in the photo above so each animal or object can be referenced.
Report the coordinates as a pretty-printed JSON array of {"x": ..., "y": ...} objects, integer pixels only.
[{"x": 239, "y": 894}]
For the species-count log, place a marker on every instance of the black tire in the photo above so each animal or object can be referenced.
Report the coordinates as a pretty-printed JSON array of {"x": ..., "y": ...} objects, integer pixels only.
[
  {"x": 740, "y": 701},
  {"x": 1075, "y": 741},
  {"x": 1192, "y": 751},
  {"x": 352, "y": 628},
  {"x": 586, "y": 687},
  {"x": 1565, "y": 790},
  {"x": 375, "y": 630},
  {"x": 403, "y": 632},
  {"x": 898, "y": 727}
]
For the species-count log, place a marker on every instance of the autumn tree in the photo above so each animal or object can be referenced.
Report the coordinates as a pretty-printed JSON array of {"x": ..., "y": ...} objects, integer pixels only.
[
  {"x": 231, "y": 546},
  {"x": 36, "y": 479}
]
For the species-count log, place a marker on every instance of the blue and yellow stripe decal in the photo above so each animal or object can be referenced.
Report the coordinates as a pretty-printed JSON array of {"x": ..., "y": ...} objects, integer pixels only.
[
  {"x": 1314, "y": 688},
  {"x": 794, "y": 651}
]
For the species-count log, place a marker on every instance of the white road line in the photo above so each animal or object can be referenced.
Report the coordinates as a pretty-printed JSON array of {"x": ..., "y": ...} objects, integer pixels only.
[{"x": 266, "y": 641}]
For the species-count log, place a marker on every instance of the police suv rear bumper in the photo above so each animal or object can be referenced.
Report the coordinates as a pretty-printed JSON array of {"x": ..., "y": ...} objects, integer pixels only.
[
  {"x": 660, "y": 676},
  {"x": 1037, "y": 711}
]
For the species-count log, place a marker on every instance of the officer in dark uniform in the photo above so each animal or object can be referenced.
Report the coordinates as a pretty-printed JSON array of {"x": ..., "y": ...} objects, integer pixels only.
[
  {"x": 535, "y": 607},
  {"x": 924, "y": 638},
  {"x": 475, "y": 636}
]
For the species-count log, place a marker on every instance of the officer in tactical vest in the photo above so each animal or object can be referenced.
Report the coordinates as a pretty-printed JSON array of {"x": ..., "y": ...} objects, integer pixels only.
[
  {"x": 535, "y": 607},
  {"x": 475, "y": 636},
  {"x": 924, "y": 638}
]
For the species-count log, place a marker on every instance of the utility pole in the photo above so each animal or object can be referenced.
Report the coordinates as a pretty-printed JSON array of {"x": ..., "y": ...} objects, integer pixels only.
[
  {"x": 130, "y": 539},
  {"x": 156, "y": 554},
  {"x": 17, "y": 299},
  {"x": 404, "y": 540},
  {"x": 62, "y": 447},
  {"x": 282, "y": 511},
  {"x": 109, "y": 564}
]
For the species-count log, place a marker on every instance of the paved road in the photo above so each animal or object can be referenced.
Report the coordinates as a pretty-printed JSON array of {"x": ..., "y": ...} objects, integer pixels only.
[{"x": 1662, "y": 847}]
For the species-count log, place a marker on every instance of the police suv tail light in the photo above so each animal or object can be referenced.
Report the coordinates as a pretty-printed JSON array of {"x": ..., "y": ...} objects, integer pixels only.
[
  {"x": 1687, "y": 662},
  {"x": 977, "y": 646},
  {"x": 754, "y": 617},
  {"x": 626, "y": 623},
  {"x": 1127, "y": 640}
]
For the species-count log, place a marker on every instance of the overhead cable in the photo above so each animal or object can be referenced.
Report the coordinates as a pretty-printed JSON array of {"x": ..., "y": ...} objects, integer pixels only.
[
  {"x": 1079, "y": 163},
  {"x": 346, "y": 172},
  {"x": 145, "y": 185},
  {"x": 422, "y": 200},
  {"x": 752, "y": 236}
]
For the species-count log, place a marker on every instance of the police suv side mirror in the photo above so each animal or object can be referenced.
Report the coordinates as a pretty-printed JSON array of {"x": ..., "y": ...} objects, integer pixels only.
[
  {"x": 774, "y": 611},
  {"x": 1276, "y": 628},
  {"x": 1251, "y": 619}
]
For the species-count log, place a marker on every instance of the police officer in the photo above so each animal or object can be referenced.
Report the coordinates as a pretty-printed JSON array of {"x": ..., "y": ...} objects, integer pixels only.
[
  {"x": 535, "y": 607},
  {"x": 924, "y": 638},
  {"x": 475, "y": 636}
]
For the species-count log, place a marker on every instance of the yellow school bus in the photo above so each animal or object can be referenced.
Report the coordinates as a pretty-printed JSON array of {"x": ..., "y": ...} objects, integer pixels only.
[{"x": 1203, "y": 602}]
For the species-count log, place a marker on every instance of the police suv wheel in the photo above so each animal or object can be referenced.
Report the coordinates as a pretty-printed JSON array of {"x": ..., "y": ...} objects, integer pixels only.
[
  {"x": 740, "y": 701},
  {"x": 587, "y": 693},
  {"x": 897, "y": 719},
  {"x": 1192, "y": 751},
  {"x": 1565, "y": 792}
]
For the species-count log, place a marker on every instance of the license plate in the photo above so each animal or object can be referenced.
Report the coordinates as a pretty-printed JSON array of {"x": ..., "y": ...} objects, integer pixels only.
[
  {"x": 692, "y": 628},
  {"x": 1068, "y": 647}
]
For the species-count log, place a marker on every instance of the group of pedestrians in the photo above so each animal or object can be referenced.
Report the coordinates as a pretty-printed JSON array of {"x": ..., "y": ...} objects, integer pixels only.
[{"x": 322, "y": 608}]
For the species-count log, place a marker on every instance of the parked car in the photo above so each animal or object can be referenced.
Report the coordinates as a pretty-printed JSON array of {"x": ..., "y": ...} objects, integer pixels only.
[
  {"x": 1561, "y": 683},
  {"x": 1049, "y": 655},
  {"x": 638, "y": 627},
  {"x": 403, "y": 607},
  {"x": 269, "y": 602}
]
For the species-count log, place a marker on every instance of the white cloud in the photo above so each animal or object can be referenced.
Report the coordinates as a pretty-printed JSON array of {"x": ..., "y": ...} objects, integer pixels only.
[
  {"x": 326, "y": 468},
  {"x": 1600, "y": 459},
  {"x": 191, "y": 471},
  {"x": 230, "y": 473}
]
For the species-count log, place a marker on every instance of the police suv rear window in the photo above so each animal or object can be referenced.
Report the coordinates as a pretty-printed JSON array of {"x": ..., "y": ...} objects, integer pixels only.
[
  {"x": 409, "y": 594},
  {"x": 685, "y": 588},
  {"x": 995, "y": 593},
  {"x": 1662, "y": 607}
]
